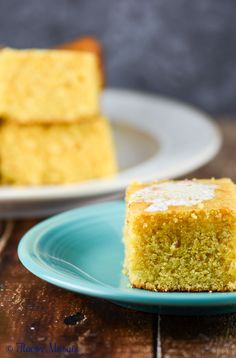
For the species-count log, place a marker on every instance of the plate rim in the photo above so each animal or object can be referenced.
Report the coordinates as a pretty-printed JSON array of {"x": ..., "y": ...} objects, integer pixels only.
[{"x": 135, "y": 296}]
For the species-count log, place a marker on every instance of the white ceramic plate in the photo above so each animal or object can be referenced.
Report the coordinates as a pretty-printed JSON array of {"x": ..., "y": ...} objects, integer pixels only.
[{"x": 155, "y": 138}]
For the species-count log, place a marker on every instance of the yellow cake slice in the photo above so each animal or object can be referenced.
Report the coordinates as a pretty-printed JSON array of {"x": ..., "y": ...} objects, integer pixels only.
[
  {"x": 181, "y": 235},
  {"x": 47, "y": 86},
  {"x": 56, "y": 153},
  {"x": 88, "y": 44}
]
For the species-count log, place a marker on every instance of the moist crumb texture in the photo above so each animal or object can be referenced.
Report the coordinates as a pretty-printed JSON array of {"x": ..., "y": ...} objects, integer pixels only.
[
  {"x": 47, "y": 86},
  {"x": 190, "y": 246},
  {"x": 56, "y": 153}
]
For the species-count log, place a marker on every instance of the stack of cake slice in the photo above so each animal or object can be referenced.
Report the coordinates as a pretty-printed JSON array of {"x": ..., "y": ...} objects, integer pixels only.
[{"x": 51, "y": 129}]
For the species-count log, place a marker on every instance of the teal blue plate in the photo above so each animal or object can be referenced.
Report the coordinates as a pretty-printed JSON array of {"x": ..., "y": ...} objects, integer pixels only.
[{"x": 81, "y": 250}]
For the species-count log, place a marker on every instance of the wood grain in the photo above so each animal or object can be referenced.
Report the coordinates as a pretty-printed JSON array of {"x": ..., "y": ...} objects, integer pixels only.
[
  {"x": 197, "y": 337},
  {"x": 37, "y": 313}
]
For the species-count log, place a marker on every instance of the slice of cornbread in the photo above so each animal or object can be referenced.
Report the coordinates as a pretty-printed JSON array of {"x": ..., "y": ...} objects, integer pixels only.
[
  {"x": 181, "y": 235},
  {"x": 88, "y": 44},
  {"x": 56, "y": 153},
  {"x": 48, "y": 85}
]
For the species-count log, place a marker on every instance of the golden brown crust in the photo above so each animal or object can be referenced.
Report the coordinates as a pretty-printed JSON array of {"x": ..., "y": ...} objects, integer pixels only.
[
  {"x": 223, "y": 196},
  {"x": 149, "y": 287}
]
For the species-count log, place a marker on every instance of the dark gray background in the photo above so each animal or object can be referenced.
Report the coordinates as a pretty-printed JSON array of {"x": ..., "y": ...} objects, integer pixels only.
[{"x": 182, "y": 48}]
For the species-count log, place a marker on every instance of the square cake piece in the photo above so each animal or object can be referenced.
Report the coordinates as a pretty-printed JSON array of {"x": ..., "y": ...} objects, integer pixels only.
[
  {"x": 56, "y": 153},
  {"x": 181, "y": 235},
  {"x": 88, "y": 44},
  {"x": 47, "y": 86}
]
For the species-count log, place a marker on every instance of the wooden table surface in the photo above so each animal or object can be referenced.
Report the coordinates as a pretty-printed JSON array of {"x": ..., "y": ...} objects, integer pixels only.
[{"x": 35, "y": 313}]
